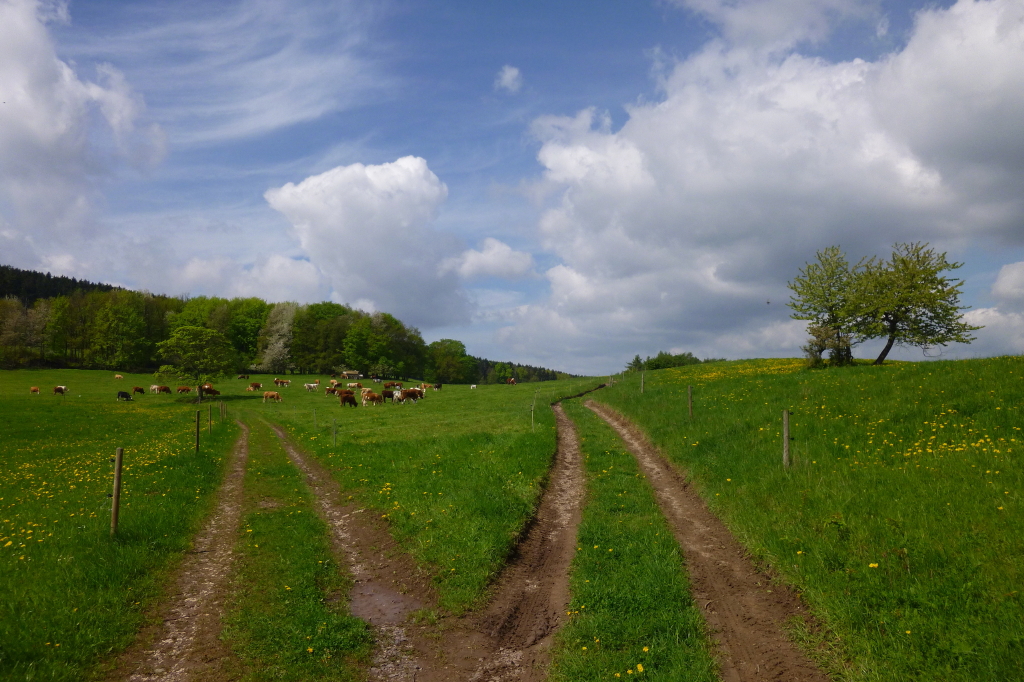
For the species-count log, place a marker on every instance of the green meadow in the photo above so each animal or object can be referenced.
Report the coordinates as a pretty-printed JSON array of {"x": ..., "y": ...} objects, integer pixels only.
[
  {"x": 900, "y": 519},
  {"x": 70, "y": 596}
]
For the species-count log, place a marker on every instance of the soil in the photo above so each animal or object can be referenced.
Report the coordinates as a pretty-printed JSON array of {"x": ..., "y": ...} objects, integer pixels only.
[
  {"x": 744, "y": 608},
  {"x": 185, "y": 642},
  {"x": 510, "y": 638}
]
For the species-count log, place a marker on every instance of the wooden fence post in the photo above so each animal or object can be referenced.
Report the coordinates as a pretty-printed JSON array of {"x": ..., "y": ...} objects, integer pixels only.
[
  {"x": 641, "y": 382},
  {"x": 785, "y": 438},
  {"x": 115, "y": 507},
  {"x": 689, "y": 400},
  {"x": 198, "y": 412}
]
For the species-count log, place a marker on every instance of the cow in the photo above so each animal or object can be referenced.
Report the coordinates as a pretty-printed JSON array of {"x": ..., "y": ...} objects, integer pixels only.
[
  {"x": 207, "y": 386},
  {"x": 123, "y": 395},
  {"x": 372, "y": 398},
  {"x": 330, "y": 391},
  {"x": 184, "y": 389},
  {"x": 437, "y": 387},
  {"x": 388, "y": 394},
  {"x": 334, "y": 382},
  {"x": 311, "y": 387},
  {"x": 118, "y": 376},
  {"x": 210, "y": 391},
  {"x": 60, "y": 390},
  {"x": 255, "y": 385},
  {"x": 153, "y": 388},
  {"x": 243, "y": 376},
  {"x": 163, "y": 389},
  {"x": 344, "y": 391},
  {"x": 472, "y": 386},
  {"x": 34, "y": 389},
  {"x": 281, "y": 382},
  {"x": 409, "y": 394},
  {"x": 271, "y": 395},
  {"x": 424, "y": 387},
  {"x": 249, "y": 388},
  {"x": 286, "y": 382},
  {"x": 511, "y": 381},
  {"x": 355, "y": 384},
  {"x": 389, "y": 384},
  {"x": 138, "y": 389},
  {"x": 348, "y": 400}
]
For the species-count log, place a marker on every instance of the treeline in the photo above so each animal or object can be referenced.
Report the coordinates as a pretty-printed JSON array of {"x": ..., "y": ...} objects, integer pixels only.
[
  {"x": 665, "y": 360},
  {"x": 120, "y": 329},
  {"x": 29, "y": 286}
]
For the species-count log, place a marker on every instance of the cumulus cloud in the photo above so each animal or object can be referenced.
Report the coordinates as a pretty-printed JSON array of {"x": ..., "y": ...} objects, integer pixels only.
[
  {"x": 60, "y": 136},
  {"x": 496, "y": 259},
  {"x": 1009, "y": 285},
  {"x": 275, "y": 278},
  {"x": 682, "y": 228},
  {"x": 509, "y": 78},
  {"x": 368, "y": 229}
]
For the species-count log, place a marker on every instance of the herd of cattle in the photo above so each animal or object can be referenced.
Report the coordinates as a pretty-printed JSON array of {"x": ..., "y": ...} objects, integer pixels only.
[{"x": 392, "y": 390}]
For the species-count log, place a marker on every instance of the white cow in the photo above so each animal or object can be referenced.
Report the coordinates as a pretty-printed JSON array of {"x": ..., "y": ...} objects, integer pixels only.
[
  {"x": 473, "y": 386},
  {"x": 312, "y": 388}
]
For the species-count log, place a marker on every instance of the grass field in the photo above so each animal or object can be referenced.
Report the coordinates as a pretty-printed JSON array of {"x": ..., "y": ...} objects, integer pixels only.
[
  {"x": 457, "y": 475},
  {"x": 69, "y": 595},
  {"x": 900, "y": 519},
  {"x": 631, "y": 612}
]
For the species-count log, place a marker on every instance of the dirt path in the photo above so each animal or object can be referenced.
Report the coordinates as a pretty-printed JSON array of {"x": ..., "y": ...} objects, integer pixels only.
[
  {"x": 186, "y": 644},
  {"x": 744, "y": 608},
  {"x": 508, "y": 640}
]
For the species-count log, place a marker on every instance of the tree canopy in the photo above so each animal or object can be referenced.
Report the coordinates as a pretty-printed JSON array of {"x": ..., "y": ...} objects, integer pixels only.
[{"x": 198, "y": 353}]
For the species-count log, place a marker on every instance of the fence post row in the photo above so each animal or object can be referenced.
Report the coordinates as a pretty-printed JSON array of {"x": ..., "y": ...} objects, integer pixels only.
[
  {"x": 785, "y": 438},
  {"x": 115, "y": 507}
]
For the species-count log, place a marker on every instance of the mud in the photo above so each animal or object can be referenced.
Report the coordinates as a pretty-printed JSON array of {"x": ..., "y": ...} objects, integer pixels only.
[
  {"x": 510, "y": 639},
  {"x": 185, "y": 644},
  {"x": 744, "y": 608}
]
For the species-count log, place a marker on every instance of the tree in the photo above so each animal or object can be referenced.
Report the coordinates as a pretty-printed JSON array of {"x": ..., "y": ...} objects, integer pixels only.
[
  {"x": 908, "y": 301},
  {"x": 447, "y": 363},
  {"x": 822, "y": 293},
  {"x": 198, "y": 353},
  {"x": 276, "y": 339},
  {"x": 119, "y": 332}
]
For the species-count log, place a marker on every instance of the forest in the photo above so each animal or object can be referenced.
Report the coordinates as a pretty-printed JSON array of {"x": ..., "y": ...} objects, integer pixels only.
[{"x": 50, "y": 321}]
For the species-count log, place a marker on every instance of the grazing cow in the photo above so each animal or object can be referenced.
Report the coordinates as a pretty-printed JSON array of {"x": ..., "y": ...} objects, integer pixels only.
[
  {"x": 372, "y": 398},
  {"x": 388, "y": 394},
  {"x": 118, "y": 376},
  {"x": 437, "y": 387},
  {"x": 286, "y": 382},
  {"x": 60, "y": 390},
  {"x": 34, "y": 389},
  {"x": 123, "y": 395},
  {"x": 254, "y": 385},
  {"x": 511, "y": 381},
  {"x": 281, "y": 382},
  {"x": 348, "y": 400},
  {"x": 138, "y": 389},
  {"x": 389, "y": 384},
  {"x": 210, "y": 391},
  {"x": 163, "y": 389},
  {"x": 271, "y": 395},
  {"x": 473, "y": 386},
  {"x": 311, "y": 387},
  {"x": 184, "y": 389},
  {"x": 355, "y": 385},
  {"x": 330, "y": 391},
  {"x": 409, "y": 394},
  {"x": 153, "y": 388},
  {"x": 243, "y": 376}
]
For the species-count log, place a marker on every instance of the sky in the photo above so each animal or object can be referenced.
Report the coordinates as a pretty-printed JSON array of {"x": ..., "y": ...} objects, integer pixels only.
[{"x": 560, "y": 184}]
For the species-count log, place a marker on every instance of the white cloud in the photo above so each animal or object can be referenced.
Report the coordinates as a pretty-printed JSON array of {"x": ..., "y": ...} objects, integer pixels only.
[
  {"x": 60, "y": 136},
  {"x": 508, "y": 78},
  {"x": 276, "y": 278},
  {"x": 1009, "y": 284},
  {"x": 681, "y": 228},
  {"x": 496, "y": 259},
  {"x": 1002, "y": 333},
  {"x": 368, "y": 229}
]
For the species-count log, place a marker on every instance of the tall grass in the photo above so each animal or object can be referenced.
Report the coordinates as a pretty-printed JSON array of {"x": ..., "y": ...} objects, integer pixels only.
[
  {"x": 631, "y": 612},
  {"x": 900, "y": 520},
  {"x": 70, "y": 595},
  {"x": 456, "y": 475}
]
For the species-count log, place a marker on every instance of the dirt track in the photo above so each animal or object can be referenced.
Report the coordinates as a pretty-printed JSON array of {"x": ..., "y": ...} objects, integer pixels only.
[
  {"x": 510, "y": 638},
  {"x": 186, "y": 644},
  {"x": 744, "y": 608}
]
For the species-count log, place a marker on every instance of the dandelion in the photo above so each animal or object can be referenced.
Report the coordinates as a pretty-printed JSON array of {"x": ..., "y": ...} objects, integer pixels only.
[
  {"x": 872, "y": 565},
  {"x": 639, "y": 667},
  {"x": 646, "y": 649},
  {"x": 310, "y": 649}
]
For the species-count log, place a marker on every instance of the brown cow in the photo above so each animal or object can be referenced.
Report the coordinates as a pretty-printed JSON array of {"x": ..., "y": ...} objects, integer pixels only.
[
  {"x": 243, "y": 376},
  {"x": 348, "y": 400},
  {"x": 210, "y": 391},
  {"x": 249, "y": 388},
  {"x": 355, "y": 384},
  {"x": 388, "y": 395},
  {"x": 408, "y": 394},
  {"x": 372, "y": 398},
  {"x": 138, "y": 389},
  {"x": 60, "y": 390},
  {"x": 184, "y": 389},
  {"x": 254, "y": 385},
  {"x": 34, "y": 389},
  {"x": 271, "y": 395},
  {"x": 118, "y": 376},
  {"x": 330, "y": 391},
  {"x": 163, "y": 389},
  {"x": 437, "y": 387},
  {"x": 207, "y": 386}
]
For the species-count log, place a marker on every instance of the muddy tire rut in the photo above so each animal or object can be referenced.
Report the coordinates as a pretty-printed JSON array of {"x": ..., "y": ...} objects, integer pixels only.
[
  {"x": 186, "y": 644},
  {"x": 744, "y": 608},
  {"x": 510, "y": 638}
]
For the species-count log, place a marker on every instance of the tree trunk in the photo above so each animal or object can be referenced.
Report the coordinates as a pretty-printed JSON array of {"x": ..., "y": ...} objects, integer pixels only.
[{"x": 888, "y": 345}]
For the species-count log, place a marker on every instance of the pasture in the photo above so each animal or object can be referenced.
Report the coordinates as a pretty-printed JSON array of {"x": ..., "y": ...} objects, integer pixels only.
[{"x": 900, "y": 519}]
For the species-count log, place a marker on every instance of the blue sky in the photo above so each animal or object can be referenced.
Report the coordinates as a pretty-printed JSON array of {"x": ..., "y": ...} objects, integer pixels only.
[{"x": 551, "y": 183}]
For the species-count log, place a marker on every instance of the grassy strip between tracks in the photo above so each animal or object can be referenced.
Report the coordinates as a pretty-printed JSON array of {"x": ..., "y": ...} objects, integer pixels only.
[
  {"x": 70, "y": 596},
  {"x": 288, "y": 617},
  {"x": 631, "y": 614},
  {"x": 900, "y": 519},
  {"x": 457, "y": 475}
]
